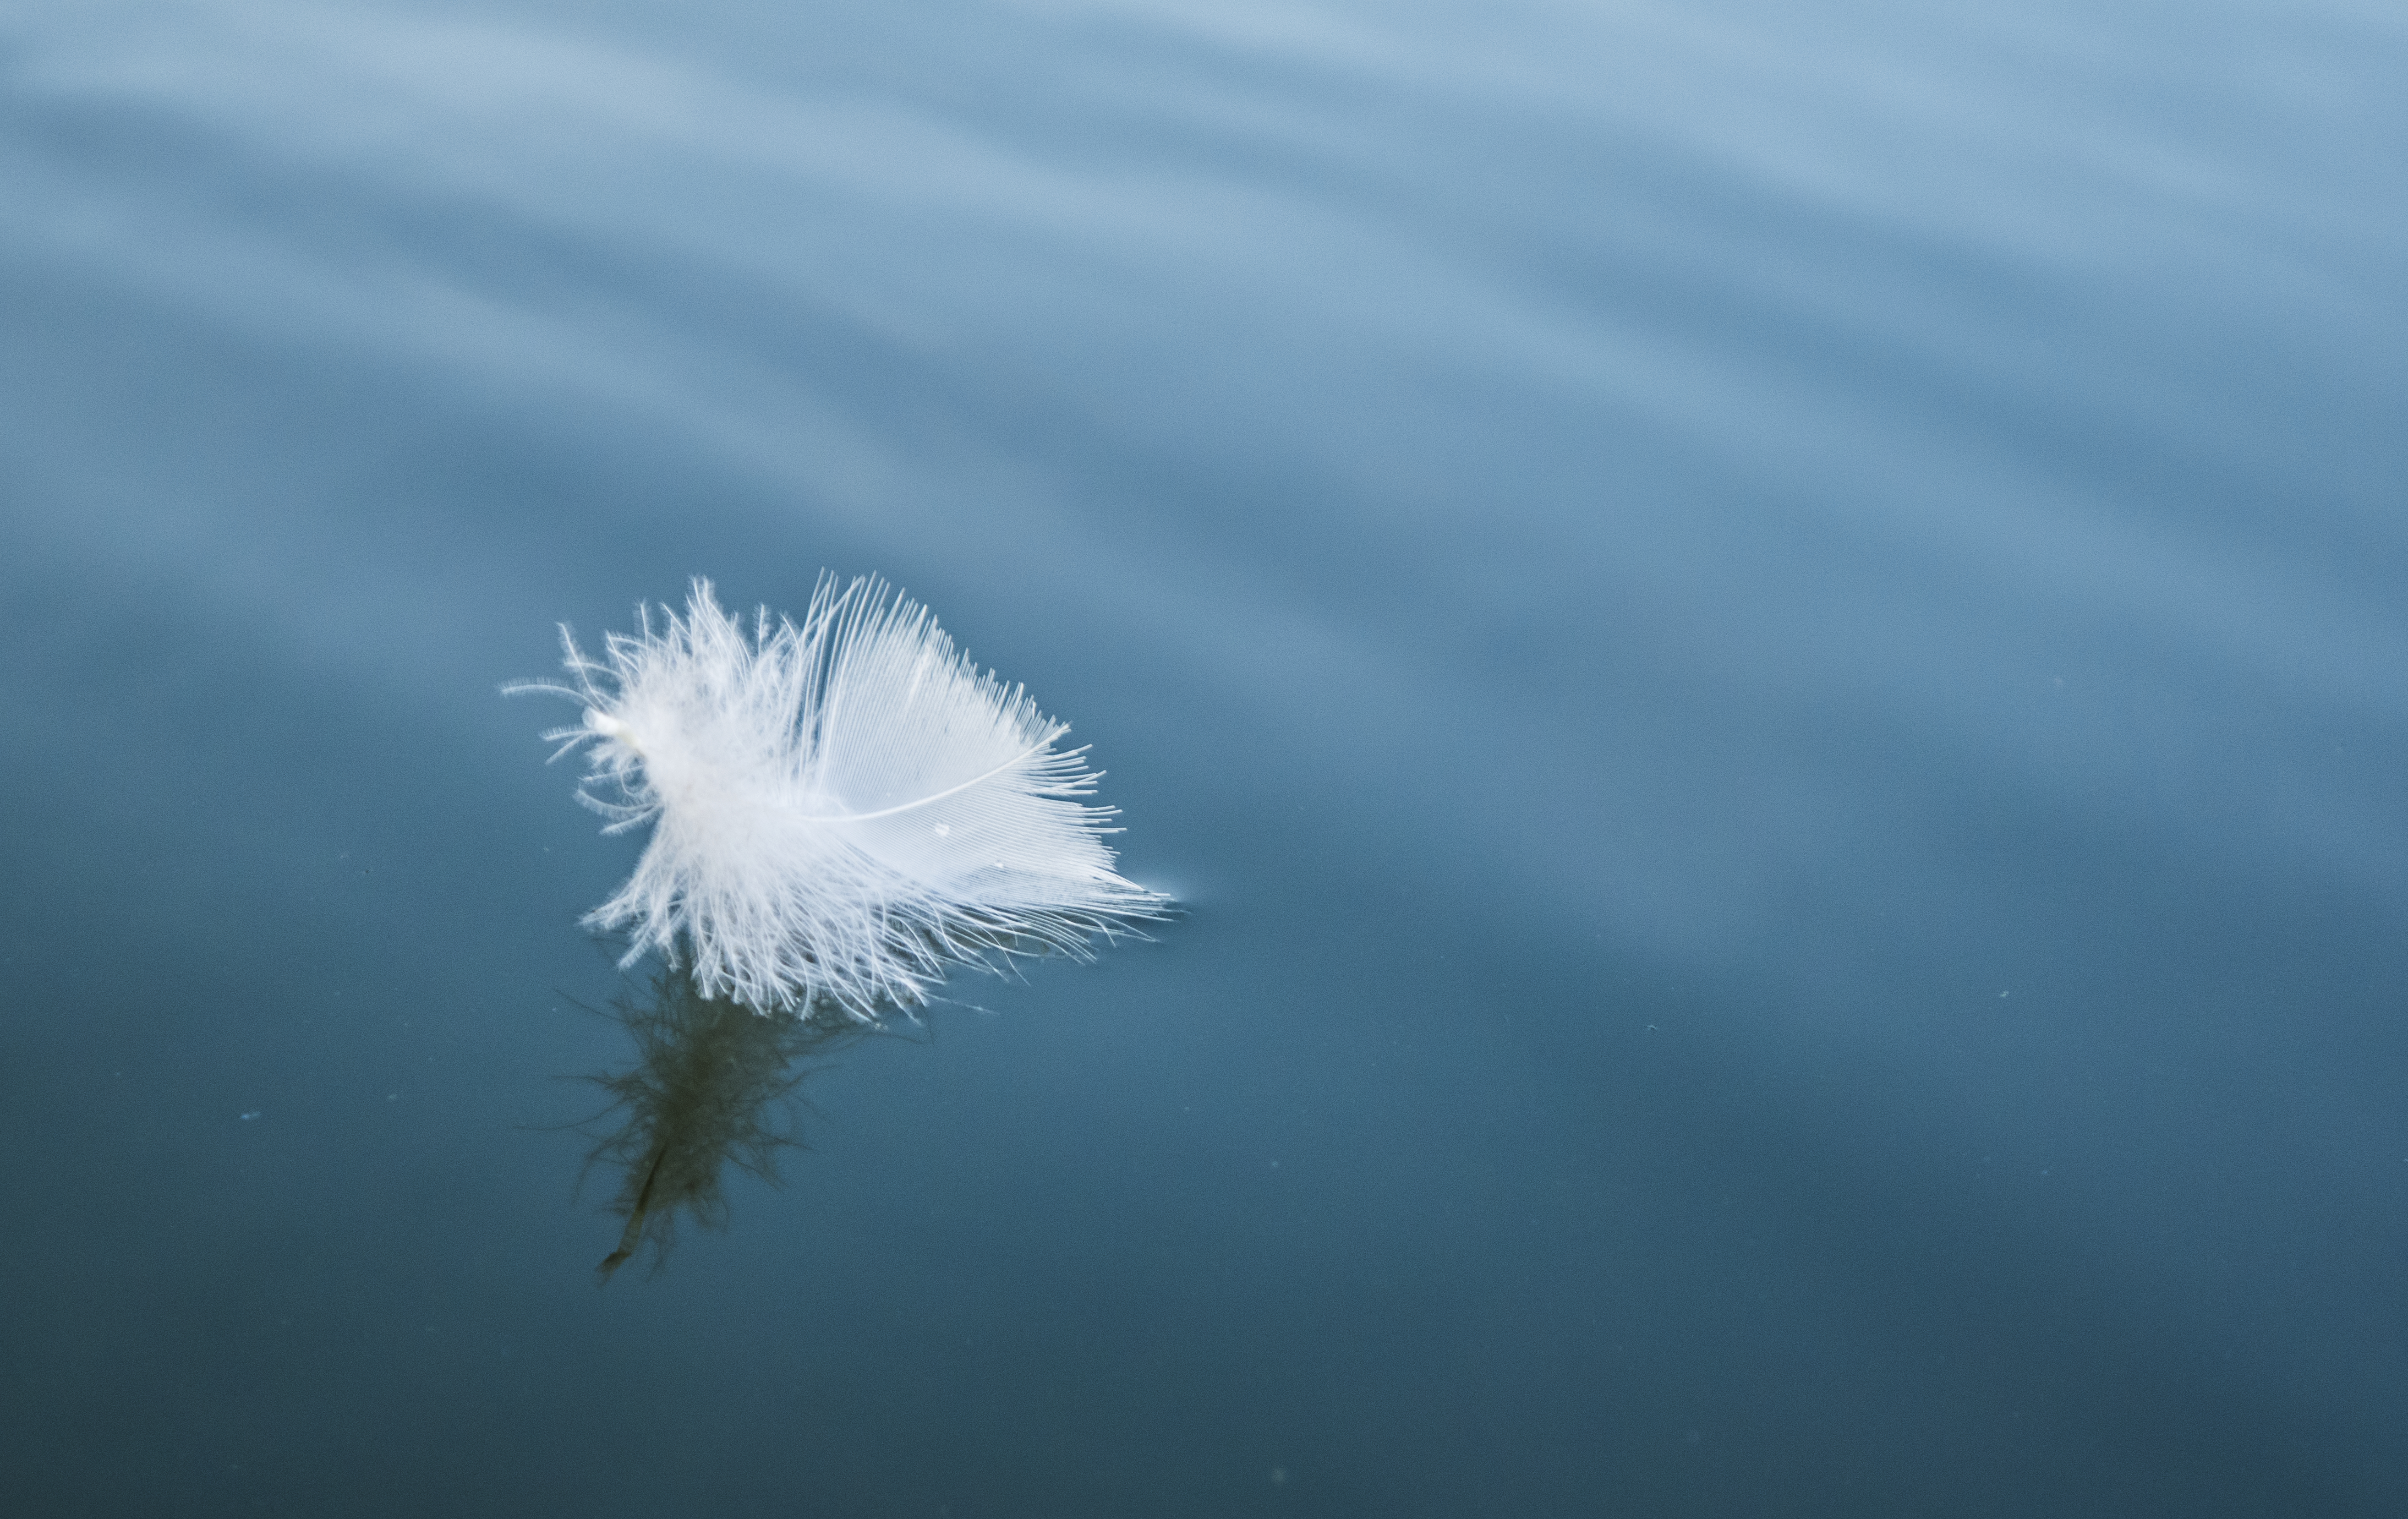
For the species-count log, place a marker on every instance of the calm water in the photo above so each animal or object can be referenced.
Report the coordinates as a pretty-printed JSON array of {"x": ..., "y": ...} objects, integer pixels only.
[{"x": 1769, "y": 647}]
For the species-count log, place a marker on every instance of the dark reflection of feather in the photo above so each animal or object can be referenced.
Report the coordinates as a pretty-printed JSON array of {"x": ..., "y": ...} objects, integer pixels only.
[{"x": 714, "y": 1085}]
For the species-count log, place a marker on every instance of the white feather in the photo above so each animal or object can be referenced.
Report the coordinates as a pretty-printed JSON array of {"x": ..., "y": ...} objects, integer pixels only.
[{"x": 841, "y": 811}]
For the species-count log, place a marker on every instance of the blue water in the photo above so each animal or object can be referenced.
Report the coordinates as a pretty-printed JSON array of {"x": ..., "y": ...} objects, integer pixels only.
[{"x": 1769, "y": 645}]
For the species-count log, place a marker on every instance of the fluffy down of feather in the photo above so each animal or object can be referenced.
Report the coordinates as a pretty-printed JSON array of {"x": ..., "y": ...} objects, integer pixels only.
[{"x": 841, "y": 811}]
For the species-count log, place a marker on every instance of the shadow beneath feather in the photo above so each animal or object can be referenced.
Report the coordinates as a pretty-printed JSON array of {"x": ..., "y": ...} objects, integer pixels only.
[{"x": 714, "y": 1086}]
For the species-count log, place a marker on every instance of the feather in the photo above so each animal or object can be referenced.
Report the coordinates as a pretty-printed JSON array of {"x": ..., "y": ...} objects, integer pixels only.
[{"x": 840, "y": 811}]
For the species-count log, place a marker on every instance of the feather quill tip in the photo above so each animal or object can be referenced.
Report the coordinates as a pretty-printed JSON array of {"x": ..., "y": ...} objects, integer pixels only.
[{"x": 842, "y": 810}]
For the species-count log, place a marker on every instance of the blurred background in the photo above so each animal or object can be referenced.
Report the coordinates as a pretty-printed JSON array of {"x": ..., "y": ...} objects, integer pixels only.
[{"x": 1769, "y": 646}]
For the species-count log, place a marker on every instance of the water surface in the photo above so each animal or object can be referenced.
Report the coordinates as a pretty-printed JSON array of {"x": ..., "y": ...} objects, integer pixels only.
[{"x": 1767, "y": 648}]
